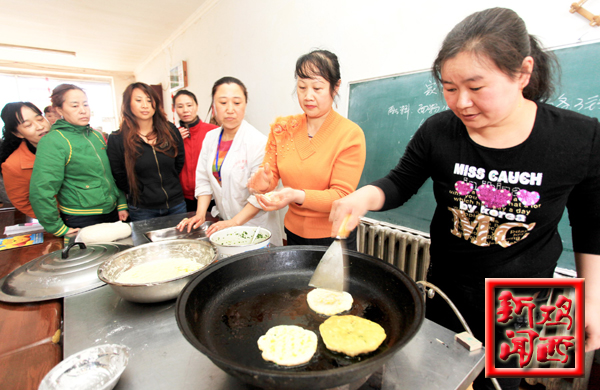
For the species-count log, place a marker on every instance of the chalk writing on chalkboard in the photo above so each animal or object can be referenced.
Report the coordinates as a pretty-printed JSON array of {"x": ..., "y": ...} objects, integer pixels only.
[
  {"x": 391, "y": 109},
  {"x": 577, "y": 104}
]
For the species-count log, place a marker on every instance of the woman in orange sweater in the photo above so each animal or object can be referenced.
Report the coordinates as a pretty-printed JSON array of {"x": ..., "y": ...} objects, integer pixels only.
[
  {"x": 24, "y": 126},
  {"x": 319, "y": 155}
]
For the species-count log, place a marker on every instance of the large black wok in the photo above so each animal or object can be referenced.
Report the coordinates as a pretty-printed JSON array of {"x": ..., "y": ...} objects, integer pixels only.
[{"x": 227, "y": 307}]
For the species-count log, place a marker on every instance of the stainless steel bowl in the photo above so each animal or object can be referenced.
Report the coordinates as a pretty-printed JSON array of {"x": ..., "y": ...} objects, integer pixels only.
[
  {"x": 98, "y": 368},
  {"x": 202, "y": 252}
]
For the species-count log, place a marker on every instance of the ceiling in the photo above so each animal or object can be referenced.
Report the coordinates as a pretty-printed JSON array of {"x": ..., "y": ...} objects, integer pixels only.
[{"x": 107, "y": 35}]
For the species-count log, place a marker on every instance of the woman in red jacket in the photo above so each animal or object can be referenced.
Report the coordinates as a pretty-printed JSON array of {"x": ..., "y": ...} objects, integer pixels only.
[
  {"x": 24, "y": 126},
  {"x": 192, "y": 131}
]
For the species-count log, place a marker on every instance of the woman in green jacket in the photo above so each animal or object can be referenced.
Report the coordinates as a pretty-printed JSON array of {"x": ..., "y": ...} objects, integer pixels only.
[{"x": 71, "y": 164}]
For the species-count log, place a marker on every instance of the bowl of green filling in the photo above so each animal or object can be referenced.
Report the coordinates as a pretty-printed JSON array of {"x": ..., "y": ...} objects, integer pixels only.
[{"x": 237, "y": 239}]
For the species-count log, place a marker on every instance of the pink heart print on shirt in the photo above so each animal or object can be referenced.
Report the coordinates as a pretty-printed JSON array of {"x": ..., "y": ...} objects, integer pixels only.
[
  {"x": 491, "y": 197},
  {"x": 528, "y": 198},
  {"x": 463, "y": 188}
]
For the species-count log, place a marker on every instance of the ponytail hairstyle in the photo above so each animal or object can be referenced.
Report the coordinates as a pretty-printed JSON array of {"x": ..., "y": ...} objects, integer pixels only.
[
  {"x": 500, "y": 34},
  {"x": 12, "y": 118},
  {"x": 161, "y": 131},
  {"x": 58, "y": 94}
]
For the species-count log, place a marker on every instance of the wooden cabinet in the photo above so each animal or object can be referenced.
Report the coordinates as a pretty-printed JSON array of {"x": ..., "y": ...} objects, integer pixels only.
[{"x": 29, "y": 332}]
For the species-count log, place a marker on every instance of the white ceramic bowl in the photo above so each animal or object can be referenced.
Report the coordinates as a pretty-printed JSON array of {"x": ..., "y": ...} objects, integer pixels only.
[
  {"x": 95, "y": 368},
  {"x": 225, "y": 240}
]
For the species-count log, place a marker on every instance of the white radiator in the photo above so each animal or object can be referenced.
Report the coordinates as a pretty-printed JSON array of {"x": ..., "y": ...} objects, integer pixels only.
[{"x": 405, "y": 248}]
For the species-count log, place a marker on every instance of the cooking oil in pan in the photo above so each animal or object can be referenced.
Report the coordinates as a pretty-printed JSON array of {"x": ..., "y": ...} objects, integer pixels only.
[{"x": 244, "y": 321}]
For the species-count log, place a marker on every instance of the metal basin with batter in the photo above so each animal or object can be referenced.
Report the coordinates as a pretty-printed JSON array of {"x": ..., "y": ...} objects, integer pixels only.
[{"x": 202, "y": 252}]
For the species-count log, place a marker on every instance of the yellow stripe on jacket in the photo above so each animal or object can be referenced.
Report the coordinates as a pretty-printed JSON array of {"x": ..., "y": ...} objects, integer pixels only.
[{"x": 70, "y": 147}]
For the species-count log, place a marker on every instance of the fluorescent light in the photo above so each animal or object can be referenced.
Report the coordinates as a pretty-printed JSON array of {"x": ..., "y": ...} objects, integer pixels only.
[{"x": 38, "y": 49}]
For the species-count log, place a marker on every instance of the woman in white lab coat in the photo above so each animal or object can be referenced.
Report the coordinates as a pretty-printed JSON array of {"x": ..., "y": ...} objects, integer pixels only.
[{"x": 230, "y": 155}]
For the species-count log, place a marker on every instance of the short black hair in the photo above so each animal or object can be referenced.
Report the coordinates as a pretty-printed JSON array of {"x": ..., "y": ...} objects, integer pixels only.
[
  {"x": 229, "y": 80},
  {"x": 12, "y": 117},
  {"x": 184, "y": 92},
  {"x": 320, "y": 63}
]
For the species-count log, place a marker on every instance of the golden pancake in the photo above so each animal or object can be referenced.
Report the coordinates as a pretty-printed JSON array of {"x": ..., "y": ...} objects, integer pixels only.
[
  {"x": 351, "y": 335},
  {"x": 288, "y": 345},
  {"x": 328, "y": 302}
]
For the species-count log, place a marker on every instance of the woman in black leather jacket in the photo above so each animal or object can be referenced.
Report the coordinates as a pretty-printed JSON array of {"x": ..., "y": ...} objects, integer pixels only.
[{"x": 146, "y": 156}]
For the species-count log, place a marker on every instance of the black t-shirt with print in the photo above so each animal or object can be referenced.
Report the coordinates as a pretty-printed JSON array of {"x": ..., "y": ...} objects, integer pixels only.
[{"x": 498, "y": 209}]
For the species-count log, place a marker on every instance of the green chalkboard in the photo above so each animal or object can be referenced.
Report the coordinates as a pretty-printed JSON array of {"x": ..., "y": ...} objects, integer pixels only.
[{"x": 391, "y": 109}]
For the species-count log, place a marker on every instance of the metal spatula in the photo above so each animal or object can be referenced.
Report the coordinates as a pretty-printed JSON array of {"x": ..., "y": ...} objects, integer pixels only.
[{"x": 331, "y": 271}]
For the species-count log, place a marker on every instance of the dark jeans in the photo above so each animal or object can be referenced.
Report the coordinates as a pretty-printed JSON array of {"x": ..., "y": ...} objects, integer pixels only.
[
  {"x": 139, "y": 214},
  {"x": 293, "y": 239},
  {"x": 81, "y": 221},
  {"x": 468, "y": 294},
  {"x": 192, "y": 204}
]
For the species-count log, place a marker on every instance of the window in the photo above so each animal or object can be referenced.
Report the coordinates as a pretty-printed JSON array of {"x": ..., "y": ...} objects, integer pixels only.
[{"x": 36, "y": 89}]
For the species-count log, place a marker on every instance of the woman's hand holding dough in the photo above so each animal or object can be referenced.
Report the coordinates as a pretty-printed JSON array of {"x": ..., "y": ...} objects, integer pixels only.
[{"x": 279, "y": 199}]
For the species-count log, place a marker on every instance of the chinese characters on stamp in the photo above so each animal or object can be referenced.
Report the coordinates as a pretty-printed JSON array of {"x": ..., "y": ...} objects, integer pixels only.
[{"x": 548, "y": 338}]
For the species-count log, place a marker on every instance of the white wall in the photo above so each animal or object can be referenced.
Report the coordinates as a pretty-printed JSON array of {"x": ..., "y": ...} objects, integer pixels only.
[{"x": 259, "y": 41}]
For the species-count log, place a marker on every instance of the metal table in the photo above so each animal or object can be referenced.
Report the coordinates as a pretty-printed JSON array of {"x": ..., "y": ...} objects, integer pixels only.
[
  {"x": 140, "y": 227},
  {"x": 162, "y": 358}
]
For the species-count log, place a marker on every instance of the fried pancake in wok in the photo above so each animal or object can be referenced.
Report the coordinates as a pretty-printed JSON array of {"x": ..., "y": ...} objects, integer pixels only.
[
  {"x": 351, "y": 335},
  {"x": 328, "y": 302},
  {"x": 288, "y": 345}
]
